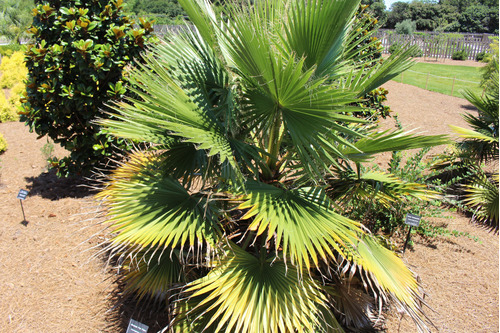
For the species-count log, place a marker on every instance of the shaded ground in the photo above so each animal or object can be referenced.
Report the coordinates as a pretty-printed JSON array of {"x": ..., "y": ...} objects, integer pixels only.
[{"x": 49, "y": 283}]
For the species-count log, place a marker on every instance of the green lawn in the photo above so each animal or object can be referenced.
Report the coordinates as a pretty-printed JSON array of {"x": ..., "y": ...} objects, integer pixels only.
[{"x": 439, "y": 78}]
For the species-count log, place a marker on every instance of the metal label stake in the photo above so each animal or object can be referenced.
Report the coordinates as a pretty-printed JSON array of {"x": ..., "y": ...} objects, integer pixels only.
[
  {"x": 412, "y": 221},
  {"x": 22, "y": 196}
]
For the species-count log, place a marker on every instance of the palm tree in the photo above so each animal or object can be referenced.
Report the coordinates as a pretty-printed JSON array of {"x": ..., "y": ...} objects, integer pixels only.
[
  {"x": 480, "y": 144},
  {"x": 226, "y": 216}
]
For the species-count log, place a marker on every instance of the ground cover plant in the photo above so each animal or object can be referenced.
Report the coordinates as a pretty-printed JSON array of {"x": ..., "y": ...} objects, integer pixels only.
[
  {"x": 75, "y": 66},
  {"x": 228, "y": 218},
  {"x": 441, "y": 78}
]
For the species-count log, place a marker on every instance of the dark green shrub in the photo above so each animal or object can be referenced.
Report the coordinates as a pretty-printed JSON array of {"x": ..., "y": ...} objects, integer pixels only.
[
  {"x": 75, "y": 67},
  {"x": 481, "y": 56},
  {"x": 460, "y": 55}
]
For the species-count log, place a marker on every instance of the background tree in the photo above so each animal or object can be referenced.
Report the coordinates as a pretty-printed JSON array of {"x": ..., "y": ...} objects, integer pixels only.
[
  {"x": 377, "y": 8},
  {"x": 398, "y": 12},
  {"x": 15, "y": 18},
  {"x": 449, "y": 15},
  {"x": 75, "y": 67},
  {"x": 161, "y": 11}
]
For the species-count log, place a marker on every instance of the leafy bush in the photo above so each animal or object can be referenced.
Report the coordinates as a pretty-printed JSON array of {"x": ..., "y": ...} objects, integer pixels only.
[
  {"x": 481, "y": 56},
  {"x": 3, "y": 144},
  {"x": 381, "y": 200},
  {"x": 371, "y": 49},
  {"x": 490, "y": 72},
  {"x": 75, "y": 67},
  {"x": 8, "y": 108},
  {"x": 13, "y": 70},
  {"x": 406, "y": 27},
  {"x": 9, "y": 49},
  {"x": 13, "y": 74},
  {"x": 460, "y": 55}
]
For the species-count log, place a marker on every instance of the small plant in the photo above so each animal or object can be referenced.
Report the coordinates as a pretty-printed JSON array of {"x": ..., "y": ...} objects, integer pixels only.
[
  {"x": 481, "y": 56},
  {"x": 47, "y": 150},
  {"x": 460, "y": 55},
  {"x": 3, "y": 144}
]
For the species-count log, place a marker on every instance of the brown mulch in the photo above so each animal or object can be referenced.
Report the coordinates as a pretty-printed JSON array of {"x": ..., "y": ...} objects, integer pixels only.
[{"x": 50, "y": 280}]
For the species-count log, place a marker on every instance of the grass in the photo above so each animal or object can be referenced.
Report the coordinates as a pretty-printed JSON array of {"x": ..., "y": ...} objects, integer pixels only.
[{"x": 439, "y": 78}]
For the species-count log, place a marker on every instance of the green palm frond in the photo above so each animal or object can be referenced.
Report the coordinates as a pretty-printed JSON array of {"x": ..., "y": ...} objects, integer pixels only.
[
  {"x": 300, "y": 222},
  {"x": 482, "y": 196},
  {"x": 471, "y": 134},
  {"x": 247, "y": 294},
  {"x": 151, "y": 274},
  {"x": 316, "y": 31},
  {"x": 149, "y": 209},
  {"x": 481, "y": 141},
  {"x": 388, "y": 277},
  {"x": 202, "y": 16},
  {"x": 383, "y": 187},
  {"x": 398, "y": 140}
]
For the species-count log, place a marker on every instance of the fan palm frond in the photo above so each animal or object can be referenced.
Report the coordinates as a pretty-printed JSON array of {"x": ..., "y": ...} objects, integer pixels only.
[
  {"x": 149, "y": 209},
  {"x": 247, "y": 294},
  {"x": 482, "y": 196}
]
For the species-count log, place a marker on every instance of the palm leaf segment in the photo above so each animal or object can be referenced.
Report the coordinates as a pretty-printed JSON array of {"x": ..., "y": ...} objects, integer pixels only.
[
  {"x": 237, "y": 113},
  {"x": 249, "y": 294}
]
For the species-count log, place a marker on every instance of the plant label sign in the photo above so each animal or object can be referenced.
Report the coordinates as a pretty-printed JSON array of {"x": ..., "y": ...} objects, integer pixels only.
[
  {"x": 136, "y": 327},
  {"x": 22, "y": 194},
  {"x": 412, "y": 220}
]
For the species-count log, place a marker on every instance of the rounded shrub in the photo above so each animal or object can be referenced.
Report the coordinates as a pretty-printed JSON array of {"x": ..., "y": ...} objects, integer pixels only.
[
  {"x": 8, "y": 110},
  {"x": 13, "y": 70},
  {"x": 406, "y": 27},
  {"x": 481, "y": 56},
  {"x": 75, "y": 67},
  {"x": 460, "y": 55}
]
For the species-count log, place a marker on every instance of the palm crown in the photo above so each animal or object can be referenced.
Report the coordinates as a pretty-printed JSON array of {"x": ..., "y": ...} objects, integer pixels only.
[{"x": 248, "y": 117}]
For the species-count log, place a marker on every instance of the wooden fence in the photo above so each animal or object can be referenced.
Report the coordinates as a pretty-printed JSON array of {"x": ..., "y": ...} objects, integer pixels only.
[{"x": 436, "y": 45}]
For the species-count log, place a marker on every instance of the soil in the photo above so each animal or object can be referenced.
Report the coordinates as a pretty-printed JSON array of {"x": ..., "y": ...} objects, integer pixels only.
[{"x": 53, "y": 281}]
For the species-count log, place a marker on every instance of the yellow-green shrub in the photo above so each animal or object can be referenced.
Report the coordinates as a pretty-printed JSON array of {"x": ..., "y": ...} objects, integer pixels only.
[
  {"x": 3, "y": 144},
  {"x": 15, "y": 95},
  {"x": 13, "y": 70},
  {"x": 8, "y": 108}
]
